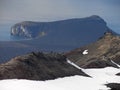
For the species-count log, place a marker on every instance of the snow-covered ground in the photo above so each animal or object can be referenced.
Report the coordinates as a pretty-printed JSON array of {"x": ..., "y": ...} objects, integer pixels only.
[{"x": 98, "y": 78}]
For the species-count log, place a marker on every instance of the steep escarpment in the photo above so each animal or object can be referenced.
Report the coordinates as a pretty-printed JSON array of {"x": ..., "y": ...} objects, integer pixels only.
[
  {"x": 118, "y": 74},
  {"x": 38, "y": 66},
  {"x": 78, "y": 31},
  {"x": 29, "y": 29},
  {"x": 105, "y": 52}
]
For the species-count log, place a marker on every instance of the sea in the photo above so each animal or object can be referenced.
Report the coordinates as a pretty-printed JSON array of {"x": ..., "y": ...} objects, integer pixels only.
[{"x": 5, "y": 34}]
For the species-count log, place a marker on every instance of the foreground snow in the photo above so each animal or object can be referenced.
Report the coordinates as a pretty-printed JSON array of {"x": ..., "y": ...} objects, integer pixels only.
[
  {"x": 98, "y": 78},
  {"x": 97, "y": 81}
]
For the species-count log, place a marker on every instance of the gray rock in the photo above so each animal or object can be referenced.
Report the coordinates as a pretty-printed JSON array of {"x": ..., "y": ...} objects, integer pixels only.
[{"x": 38, "y": 66}]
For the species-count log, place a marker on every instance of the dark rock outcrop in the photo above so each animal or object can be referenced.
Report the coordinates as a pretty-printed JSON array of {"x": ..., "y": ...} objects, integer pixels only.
[
  {"x": 118, "y": 74},
  {"x": 38, "y": 66},
  {"x": 114, "y": 86},
  {"x": 100, "y": 54}
]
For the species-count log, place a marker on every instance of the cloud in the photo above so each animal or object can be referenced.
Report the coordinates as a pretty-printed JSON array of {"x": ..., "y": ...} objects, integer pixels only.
[{"x": 35, "y": 9}]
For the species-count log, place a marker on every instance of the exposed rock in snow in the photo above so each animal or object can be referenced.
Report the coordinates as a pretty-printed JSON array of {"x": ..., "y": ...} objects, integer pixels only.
[
  {"x": 114, "y": 86},
  {"x": 101, "y": 53},
  {"x": 100, "y": 77},
  {"x": 38, "y": 66}
]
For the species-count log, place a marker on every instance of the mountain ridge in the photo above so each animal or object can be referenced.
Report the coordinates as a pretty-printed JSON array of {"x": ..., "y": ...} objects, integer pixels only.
[
  {"x": 27, "y": 28},
  {"x": 89, "y": 17},
  {"x": 100, "y": 53},
  {"x": 38, "y": 66}
]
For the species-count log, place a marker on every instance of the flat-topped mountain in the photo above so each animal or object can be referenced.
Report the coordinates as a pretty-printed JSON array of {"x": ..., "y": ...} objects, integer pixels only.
[
  {"x": 78, "y": 27},
  {"x": 38, "y": 66},
  {"x": 105, "y": 52},
  {"x": 74, "y": 32}
]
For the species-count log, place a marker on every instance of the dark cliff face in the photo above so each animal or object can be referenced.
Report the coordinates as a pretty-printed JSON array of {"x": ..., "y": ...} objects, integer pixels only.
[
  {"x": 27, "y": 29},
  {"x": 89, "y": 28},
  {"x": 69, "y": 27},
  {"x": 38, "y": 66},
  {"x": 99, "y": 54}
]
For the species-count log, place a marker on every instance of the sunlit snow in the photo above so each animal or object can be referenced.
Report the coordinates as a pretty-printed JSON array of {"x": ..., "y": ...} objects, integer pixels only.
[
  {"x": 85, "y": 52},
  {"x": 73, "y": 64}
]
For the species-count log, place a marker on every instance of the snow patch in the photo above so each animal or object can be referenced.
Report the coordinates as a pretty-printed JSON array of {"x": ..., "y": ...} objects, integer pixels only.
[
  {"x": 115, "y": 63},
  {"x": 73, "y": 64},
  {"x": 85, "y": 52}
]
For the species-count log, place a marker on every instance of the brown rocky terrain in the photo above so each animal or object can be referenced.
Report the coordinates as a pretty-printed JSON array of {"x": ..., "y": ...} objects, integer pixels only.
[
  {"x": 38, "y": 66},
  {"x": 99, "y": 54}
]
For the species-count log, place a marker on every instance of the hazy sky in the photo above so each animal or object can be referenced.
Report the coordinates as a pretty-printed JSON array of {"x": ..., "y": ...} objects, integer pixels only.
[{"x": 12, "y": 11}]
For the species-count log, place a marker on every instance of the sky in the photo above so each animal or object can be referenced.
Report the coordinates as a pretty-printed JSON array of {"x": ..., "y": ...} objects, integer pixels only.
[{"x": 14, "y": 11}]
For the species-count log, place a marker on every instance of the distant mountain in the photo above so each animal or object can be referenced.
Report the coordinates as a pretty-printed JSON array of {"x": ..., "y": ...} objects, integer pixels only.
[
  {"x": 104, "y": 52},
  {"x": 71, "y": 32},
  {"x": 38, "y": 66},
  {"x": 58, "y": 36},
  {"x": 60, "y": 29}
]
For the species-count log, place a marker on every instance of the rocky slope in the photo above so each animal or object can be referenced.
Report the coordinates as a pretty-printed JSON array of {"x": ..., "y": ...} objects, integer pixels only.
[
  {"x": 38, "y": 66},
  {"x": 118, "y": 74},
  {"x": 104, "y": 52}
]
